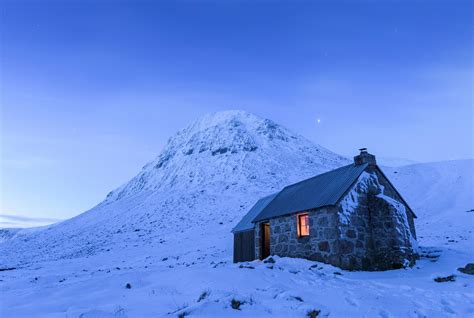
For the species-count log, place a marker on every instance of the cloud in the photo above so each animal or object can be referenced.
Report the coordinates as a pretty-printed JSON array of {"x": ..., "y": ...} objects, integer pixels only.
[{"x": 7, "y": 220}]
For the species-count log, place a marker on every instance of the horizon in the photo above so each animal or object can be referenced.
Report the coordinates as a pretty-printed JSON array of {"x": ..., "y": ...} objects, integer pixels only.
[
  {"x": 23, "y": 221},
  {"x": 91, "y": 92}
]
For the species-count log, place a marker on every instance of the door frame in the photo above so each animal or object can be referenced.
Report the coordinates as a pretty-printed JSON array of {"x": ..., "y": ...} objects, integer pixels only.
[{"x": 265, "y": 241}]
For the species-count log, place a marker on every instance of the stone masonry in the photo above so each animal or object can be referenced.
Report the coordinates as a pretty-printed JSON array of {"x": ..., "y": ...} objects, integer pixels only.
[{"x": 369, "y": 229}]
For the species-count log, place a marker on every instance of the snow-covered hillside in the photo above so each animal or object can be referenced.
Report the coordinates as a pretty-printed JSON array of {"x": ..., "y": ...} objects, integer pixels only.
[
  {"x": 395, "y": 162},
  {"x": 166, "y": 233},
  {"x": 204, "y": 180},
  {"x": 230, "y": 152},
  {"x": 441, "y": 193}
]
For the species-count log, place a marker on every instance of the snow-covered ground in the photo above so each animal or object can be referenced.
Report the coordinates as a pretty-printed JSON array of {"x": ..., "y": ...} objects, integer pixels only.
[{"x": 166, "y": 236}]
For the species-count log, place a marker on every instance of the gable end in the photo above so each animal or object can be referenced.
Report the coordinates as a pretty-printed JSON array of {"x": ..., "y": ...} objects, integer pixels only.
[{"x": 396, "y": 191}]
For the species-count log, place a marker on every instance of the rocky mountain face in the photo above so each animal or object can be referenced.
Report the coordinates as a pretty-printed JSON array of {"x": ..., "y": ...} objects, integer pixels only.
[
  {"x": 203, "y": 181},
  {"x": 230, "y": 151}
]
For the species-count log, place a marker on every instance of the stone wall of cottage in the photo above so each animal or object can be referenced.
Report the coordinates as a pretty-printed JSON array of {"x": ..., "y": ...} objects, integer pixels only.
[
  {"x": 377, "y": 229},
  {"x": 392, "y": 226},
  {"x": 320, "y": 245},
  {"x": 391, "y": 192},
  {"x": 365, "y": 231},
  {"x": 356, "y": 236}
]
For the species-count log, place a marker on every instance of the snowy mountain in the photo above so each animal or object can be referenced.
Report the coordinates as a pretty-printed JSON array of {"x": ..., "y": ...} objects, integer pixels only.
[
  {"x": 166, "y": 233},
  {"x": 230, "y": 151},
  {"x": 212, "y": 170}
]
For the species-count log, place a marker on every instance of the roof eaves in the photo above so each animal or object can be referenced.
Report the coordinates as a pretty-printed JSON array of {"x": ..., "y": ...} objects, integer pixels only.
[{"x": 293, "y": 212}]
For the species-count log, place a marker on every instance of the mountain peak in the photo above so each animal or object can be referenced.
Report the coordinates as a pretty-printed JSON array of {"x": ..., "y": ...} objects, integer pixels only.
[
  {"x": 230, "y": 148},
  {"x": 225, "y": 117},
  {"x": 235, "y": 121}
]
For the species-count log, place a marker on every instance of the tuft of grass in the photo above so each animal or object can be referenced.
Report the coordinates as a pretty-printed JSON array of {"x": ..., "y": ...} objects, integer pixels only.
[
  {"x": 450, "y": 278},
  {"x": 128, "y": 286},
  {"x": 468, "y": 269},
  {"x": 235, "y": 304},
  {"x": 182, "y": 314},
  {"x": 313, "y": 313},
  {"x": 203, "y": 295}
]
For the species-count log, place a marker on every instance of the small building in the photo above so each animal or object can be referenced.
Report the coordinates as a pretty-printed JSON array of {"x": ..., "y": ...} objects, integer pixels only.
[{"x": 351, "y": 217}]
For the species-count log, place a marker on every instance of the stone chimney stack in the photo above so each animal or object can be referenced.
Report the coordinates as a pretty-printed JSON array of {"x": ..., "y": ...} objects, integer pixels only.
[{"x": 364, "y": 157}]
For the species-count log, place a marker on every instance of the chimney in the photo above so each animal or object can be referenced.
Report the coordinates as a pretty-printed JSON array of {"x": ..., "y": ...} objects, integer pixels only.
[{"x": 364, "y": 157}]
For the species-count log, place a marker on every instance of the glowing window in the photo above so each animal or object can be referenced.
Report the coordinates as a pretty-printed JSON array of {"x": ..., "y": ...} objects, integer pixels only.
[{"x": 303, "y": 225}]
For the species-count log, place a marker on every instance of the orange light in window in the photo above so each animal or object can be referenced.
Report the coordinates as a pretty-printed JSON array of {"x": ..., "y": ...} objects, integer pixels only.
[{"x": 303, "y": 224}]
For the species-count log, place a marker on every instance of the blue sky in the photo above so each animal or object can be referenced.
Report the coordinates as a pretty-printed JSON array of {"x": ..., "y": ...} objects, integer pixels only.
[{"x": 91, "y": 91}]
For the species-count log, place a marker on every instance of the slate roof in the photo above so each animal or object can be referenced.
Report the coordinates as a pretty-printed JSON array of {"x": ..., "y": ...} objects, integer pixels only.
[
  {"x": 322, "y": 190},
  {"x": 246, "y": 223}
]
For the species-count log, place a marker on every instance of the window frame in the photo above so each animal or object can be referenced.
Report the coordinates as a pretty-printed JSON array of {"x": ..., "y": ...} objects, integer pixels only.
[{"x": 298, "y": 224}]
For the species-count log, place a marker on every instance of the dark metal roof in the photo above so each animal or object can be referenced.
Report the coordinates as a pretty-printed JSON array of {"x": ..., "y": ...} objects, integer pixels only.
[
  {"x": 246, "y": 223},
  {"x": 322, "y": 190}
]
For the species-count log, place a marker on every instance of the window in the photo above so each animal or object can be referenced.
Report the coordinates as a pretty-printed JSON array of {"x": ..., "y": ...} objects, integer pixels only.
[{"x": 303, "y": 225}]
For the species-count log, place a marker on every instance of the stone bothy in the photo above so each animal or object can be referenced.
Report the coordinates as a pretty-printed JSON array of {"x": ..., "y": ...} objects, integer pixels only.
[{"x": 351, "y": 217}]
